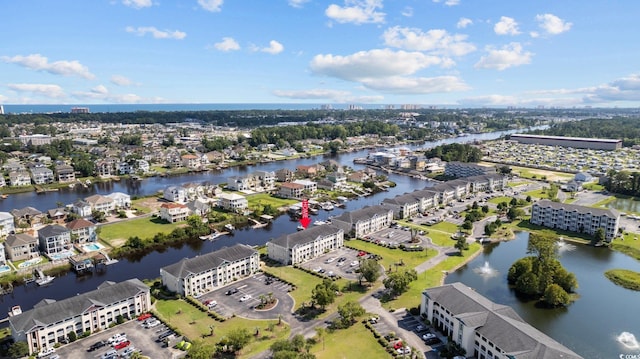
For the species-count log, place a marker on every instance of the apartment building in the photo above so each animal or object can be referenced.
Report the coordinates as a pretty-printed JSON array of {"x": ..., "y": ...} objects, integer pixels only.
[
  {"x": 575, "y": 218},
  {"x": 193, "y": 276},
  {"x": 466, "y": 169},
  {"x": 367, "y": 220},
  {"x": 301, "y": 246}
]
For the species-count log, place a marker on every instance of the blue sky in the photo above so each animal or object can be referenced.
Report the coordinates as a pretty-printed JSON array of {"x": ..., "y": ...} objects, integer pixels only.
[{"x": 463, "y": 53}]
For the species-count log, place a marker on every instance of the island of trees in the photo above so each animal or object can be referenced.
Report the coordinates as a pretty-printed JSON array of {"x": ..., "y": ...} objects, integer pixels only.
[{"x": 541, "y": 276}]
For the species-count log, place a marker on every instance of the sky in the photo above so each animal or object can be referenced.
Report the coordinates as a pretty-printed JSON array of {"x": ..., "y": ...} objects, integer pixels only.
[{"x": 460, "y": 53}]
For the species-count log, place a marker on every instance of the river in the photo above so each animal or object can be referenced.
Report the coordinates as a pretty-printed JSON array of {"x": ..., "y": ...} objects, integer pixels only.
[{"x": 592, "y": 324}]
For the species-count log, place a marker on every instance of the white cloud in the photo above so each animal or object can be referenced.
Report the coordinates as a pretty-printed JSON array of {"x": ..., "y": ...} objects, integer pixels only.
[
  {"x": 46, "y": 90},
  {"x": 227, "y": 44},
  {"x": 121, "y": 80},
  {"x": 274, "y": 48},
  {"x": 312, "y": 94},
  {"x": 102, "y": 93},
  {"x": 417, "y": 85},
  {"x": 157, "y": 34},
  {"x": 464, "y": 22},
  {"x": 436, "y": 40},
  {"x": 297, "y": 3},
  {"x": 534, "y": 34},
  {"x": 552, "y": 24},
  {"x": 377, "y": 63},
  {"x": 508, "y": 56},
  {"x": 448, "y": 2},
  {"x": 490, "y": 100},
  {"x": 40, "y": 63},
  {"x": 357, "y": 12},
  {"x": 506, "y": 26},
  {"x": 138, "y": 4},
  {"x": 3, "y": 98},
  {"x": 211, "y": 5},
  {"x": 407, "y": 11}
]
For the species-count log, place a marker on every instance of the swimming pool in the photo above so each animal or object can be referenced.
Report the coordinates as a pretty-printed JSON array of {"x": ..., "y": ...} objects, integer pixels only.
[
  {"x": 91, "y": 247},
  {"x": 4, "y": 268},
  {"x": 60, "y": 255},
  {"x": 30, "y": 262}
]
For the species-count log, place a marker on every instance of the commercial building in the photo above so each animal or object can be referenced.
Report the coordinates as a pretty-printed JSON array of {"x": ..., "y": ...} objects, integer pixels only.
[
  {"x": 301, "y": 246},
  {"x": 575, "y": 142},
  {"x": 192, "y": 276},
  {"x": 50, "y": 321},
  {"x": 486, "y": 329},
  {"x": 574, "y": 218}
]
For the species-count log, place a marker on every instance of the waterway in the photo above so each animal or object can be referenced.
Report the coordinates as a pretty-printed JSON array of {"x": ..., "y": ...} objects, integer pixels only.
[{"x": 592, "y": 324}]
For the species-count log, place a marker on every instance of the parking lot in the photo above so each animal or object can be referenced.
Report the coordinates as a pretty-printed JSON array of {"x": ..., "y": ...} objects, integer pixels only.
[
  {"x": 141, "y": 339},
  {"x": 242, "y": 297},
  {"x": 342, "y": 262}
]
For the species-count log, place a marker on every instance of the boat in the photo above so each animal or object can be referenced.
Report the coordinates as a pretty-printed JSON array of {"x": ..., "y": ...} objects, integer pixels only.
[
  {"x": 327, "y": 206},
  {"x": 212, "y": 236},
  {"x": 229, "y": 227},
  {"x": 4, "y": 196},
  {"x": 319, "y": 223},
  {"x": 45, "y": 280},
  {"x": 300, "y": 227}
]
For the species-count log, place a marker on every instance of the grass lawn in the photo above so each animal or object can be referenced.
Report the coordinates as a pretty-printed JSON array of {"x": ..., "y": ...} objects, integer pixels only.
[
  {"x": 624, "y": 278},
  {"x": 540, "y": 174},
  {"x": 263, "y": 199},
  {"x": 355, "y": 342},
  {"x": 142, "y": 227},
  {"x": 194, "y": 324},
  {"x": 392, "y": 256},
  {"x": 304, "y": 282},
  {"x": 593, "y": 186},
  {"x": 538, "y": 193},
  {"x": 430, "y": 278},
  {"x": 498, "y": 200}
]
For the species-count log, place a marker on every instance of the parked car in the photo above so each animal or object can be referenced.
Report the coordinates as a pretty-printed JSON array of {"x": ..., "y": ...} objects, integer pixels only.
[
  {"x": 212, "y": 304},
  {"x": 122, "y": 345},
  {"x": 428, "y": 336},
  {"x": 144, "y": 316},
  {"x": 153, "y": 323},
  {"x": 362, "y": 254},
  {"x": 404, "y": 351},
  {"x": 231, "y": 291},
  {"x": 116, "y": 337},
  {"x": 97, "y": 345},
  {"x": 119, "y": 340},
  {"x": 127, "y": 352},
  {"x": 330, "y": 260},
  {"x": 245, "y": 297},
  {"x": 109, "y": 355},
  {"x": 46, "y": 352}
]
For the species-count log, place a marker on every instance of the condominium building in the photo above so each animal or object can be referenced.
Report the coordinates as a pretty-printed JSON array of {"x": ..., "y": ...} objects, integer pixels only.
[
  {"x": 486, "y": 329},
  {"x": 465, "y": 169},
  {"x": 50, "y": 321},
  {"x": 301, "y": 246},
  {"x": 359, "y": 223},
  {"x": 574, "y": 218},
  {"x": 192, "y": 276}
]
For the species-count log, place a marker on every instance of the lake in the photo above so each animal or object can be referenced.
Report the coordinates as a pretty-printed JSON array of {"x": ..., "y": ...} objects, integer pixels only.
[{"x": 591, "y": 325}]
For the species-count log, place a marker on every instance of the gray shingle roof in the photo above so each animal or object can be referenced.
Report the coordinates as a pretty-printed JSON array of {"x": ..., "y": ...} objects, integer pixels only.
[
  {"x": 363, "y": 214},
  {"x": 49, "y": 311},
  {"x": 202, "y": 263},
  {"x": 19, "y": 239},
  {"x": 545, "y": 203},
  {"x": 52, "y": 230},
  {"x": 498, "y": 323},
  {"x": 306, "y": 236}
]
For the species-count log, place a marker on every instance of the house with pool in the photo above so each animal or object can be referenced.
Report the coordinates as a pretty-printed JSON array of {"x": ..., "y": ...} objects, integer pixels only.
[
  {"x": 82, "y": 231},
  {"x": 21, "y": 246},
  {"x": 55, "y": 241}
]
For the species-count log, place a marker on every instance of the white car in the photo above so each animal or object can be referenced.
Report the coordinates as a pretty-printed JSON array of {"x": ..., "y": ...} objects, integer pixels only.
[
  {"x": 428, "y": 336},
  {"x": 109, "y": 355},
  {"x": 46, "y": 351},
  {"x": 245, "y": 297},
  {"x": 330, "y": 260},
  {"x": 404, "y": 351},
  {"x": 354, "y": 263},
  {"x": 117, "y": 337},
  {"x": 152, "y": 324},
  {"x": 212, "y": 304},
  {"x": 128, "y": 351}
]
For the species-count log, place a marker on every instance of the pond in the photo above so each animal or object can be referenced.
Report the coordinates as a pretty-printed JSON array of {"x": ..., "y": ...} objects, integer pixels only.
[
  {"x": 626, "y": 205},
  {"x": 600, "y": 324}
]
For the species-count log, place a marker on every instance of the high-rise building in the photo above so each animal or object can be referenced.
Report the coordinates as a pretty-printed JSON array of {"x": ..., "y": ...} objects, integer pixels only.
[
  {"x": 80, "y": 110},
  {"x": 1, "y": 110}
]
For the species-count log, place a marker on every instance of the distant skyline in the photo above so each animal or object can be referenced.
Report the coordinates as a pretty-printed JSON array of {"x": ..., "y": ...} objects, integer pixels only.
[{"x": 454, "y": 53}]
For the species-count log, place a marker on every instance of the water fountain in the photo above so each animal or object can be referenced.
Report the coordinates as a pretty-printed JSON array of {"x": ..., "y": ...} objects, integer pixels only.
[
  {"x": 628, "y": 340},
  {"x": 564, "y": 246},
  {"x": 486, "y": 270}
]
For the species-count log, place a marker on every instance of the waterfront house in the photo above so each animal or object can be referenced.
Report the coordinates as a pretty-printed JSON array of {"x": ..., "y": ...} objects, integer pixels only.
[
  {"x": 174, "y": 212},
  {"x": 120, "y": 200},
  {"x": 100, "y": 203},
  {"x": 51, "y": 321},
  {"x": 54, "y": 239},
  {"x": 57, "y": 214},
  {"x": 266, "y": 180},
  {"x": 291, "y": 190},
  {"x": 247, "y": 183},
  {"x": 194, "y": 190},
  {"x": 175, "y": 194},
  {"x": 337, "y": 177},
  {"x": 367, "y": 220},
  {"x": 19, "y": 178},
  {"x": 82, "y": 208},
  {"x": 301, "y": 246},
  {"x": 309, "y": 171},
  {"x": 65, "y": 173},
  {"x": 191, "y": 162},
  {"x": 233, "y": 202},
  {"x": 27, "y": 216},
  {"x": 125, "y": 168},
  {"x": 284, "y": 175},
  {"x": 197, "y": 275},
  {"x": 105, "y": 168},
  {"x": 6, "y": 224},
  {"x": 307, "y": 186},
  {"x": 358, "y": 177},
  {"x": 199, "y": 206},
  {"x": 575, "y": 218},
  {"x": 143, "y": 166},
  {"x": 82, "y": 231},
  {"x": 21, "y": 246},
  {"x": 485, "y": 329}
]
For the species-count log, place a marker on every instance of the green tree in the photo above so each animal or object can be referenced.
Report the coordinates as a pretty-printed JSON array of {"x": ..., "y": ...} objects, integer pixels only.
[
  {"x": 200, "y": 350},
  {"x": 598, "y": 236},
  {"x": 18, "y": 349},
  {"x": 514, "y": 213},
  {"x": 369, "y": 270},
  {"x": 324, "y": 293},
  {"x": 527, "y": 283},
  {"x": 566, "y": 280},
  {"x": 461, "y": 244},
  {"x": 349, "y": 311},
  {"x": 238, "y": 338},
  {"x": 518, "y": 268},
  {"x": 555, "y": 296},
  {"x": 398, "y": 282}
]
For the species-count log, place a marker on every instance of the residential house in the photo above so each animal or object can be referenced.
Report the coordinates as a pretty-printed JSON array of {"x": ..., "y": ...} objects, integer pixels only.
[
  {"x": 324, "y": 183},
  {"x": 364, "y": 221},
  {"x": 190, "y": 161},
  {"x": 21, "y": 246},
  {"x": 301, "y": 246},
  {"x": 485, "y": 329},
  {"x": 174, "y": 212},
  {"x": 175, "y": 194},
  {"x": 575, "y": 218},
  {"x": 233, "y": 202},
  {"x": 266, "y": 179},
  {"x": 194, "y": 190},
  {"x": 200, "y": 274},
  {"x": 120, "y": 200},
  {"x": 291, "y": 190},
  {"x": 27, "y": 216},
  {"x": 57, "y": 214},
  {"x": 100, "y": 203},
  {"x": 19, "y": 178},
  {"x": 65, "y": 173},
  {"x": 82, "y": 208},
  {"x": 337, "y": 177},
  {"x": 200, "y": 206},
  {"x": 309, "y": 171},
  {"x": 54, "y": 239},
  {"x": 285, "y": 175},
  {"x": 6, "y": 224},
  {"x": 3, "y": 183},
  {"x": 143, "y": 166},
  {"x": 358, "y": 177},
  {"x": 308, "y": 186},
  {"x": 82, "y": 231},
  {"x": 105, "y": 168},
  {"x": 247, "y": 182},
  {"x": 125, "y": 168},
  {"x": 215, "y": 156},
  {"x": 50, "y": 322}
]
